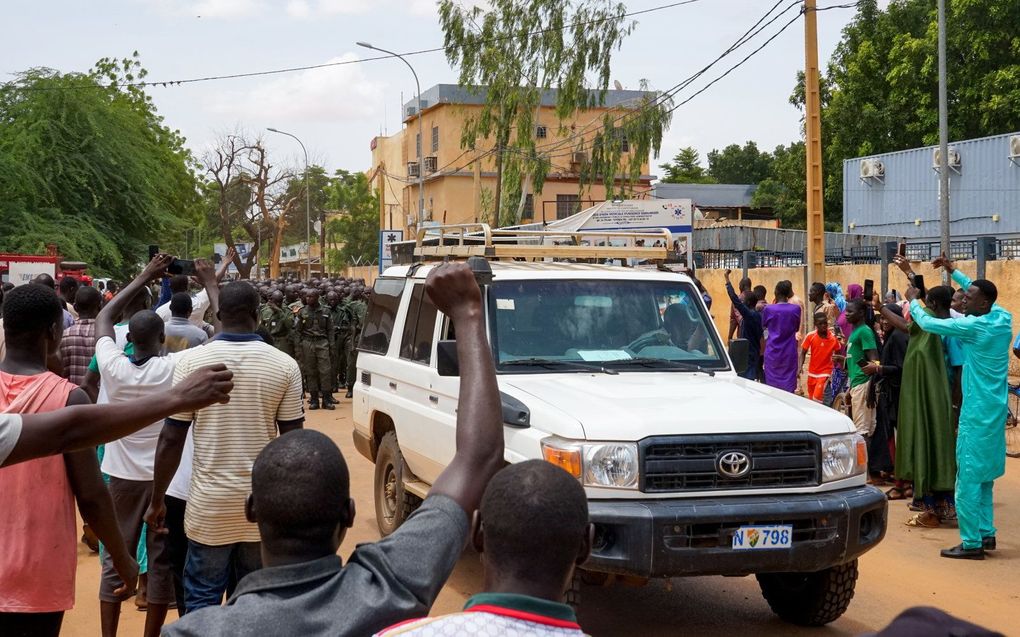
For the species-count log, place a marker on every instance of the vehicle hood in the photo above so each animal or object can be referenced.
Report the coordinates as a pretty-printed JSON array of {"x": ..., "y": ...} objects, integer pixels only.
[{"x": 634, "y": 405}]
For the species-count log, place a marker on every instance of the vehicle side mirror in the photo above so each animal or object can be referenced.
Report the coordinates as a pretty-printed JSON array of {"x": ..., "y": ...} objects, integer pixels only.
[
  {"x": 446, "y": 358},
  {"x": 739, "y": 354}
]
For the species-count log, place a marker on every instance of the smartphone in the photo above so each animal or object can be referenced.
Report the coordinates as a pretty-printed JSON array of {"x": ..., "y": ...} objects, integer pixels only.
[
  {"x": 869, "y": 290},
  {"x": 863, "y": 363},
  {"x": 919, "y": 284},
  {"x": 901, "y": 249},
  {"x": 182, "y": 266}
]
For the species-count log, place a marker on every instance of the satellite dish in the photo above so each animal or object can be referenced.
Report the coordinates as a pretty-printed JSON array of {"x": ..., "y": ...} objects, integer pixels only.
[{"x": 617, "y": 84}]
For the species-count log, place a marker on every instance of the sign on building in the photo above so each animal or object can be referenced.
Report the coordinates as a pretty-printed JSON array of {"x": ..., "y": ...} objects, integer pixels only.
[{"x": 386, "y": 240}]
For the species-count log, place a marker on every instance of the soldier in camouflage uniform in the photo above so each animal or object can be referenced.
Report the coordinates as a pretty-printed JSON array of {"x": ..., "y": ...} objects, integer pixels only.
[
  {"x": 335, "y": 339},
  {"x": 315, "y": 325},
  {"x": 294, "y": 304},
  {"x": 355, "y": 309},
  {"x": 278, "y": 322}
]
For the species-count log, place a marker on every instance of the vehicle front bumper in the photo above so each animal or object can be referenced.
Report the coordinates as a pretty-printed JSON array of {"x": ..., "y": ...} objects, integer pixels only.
[{"x": 693, "y": 536}]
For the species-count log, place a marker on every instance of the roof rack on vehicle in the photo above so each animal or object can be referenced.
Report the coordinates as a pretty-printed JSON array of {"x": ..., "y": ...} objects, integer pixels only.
[{"x": 479, "y": 239}]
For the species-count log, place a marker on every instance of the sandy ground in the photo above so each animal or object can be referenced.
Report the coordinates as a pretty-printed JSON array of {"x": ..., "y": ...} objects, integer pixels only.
[{"x": 905, "y": 570}]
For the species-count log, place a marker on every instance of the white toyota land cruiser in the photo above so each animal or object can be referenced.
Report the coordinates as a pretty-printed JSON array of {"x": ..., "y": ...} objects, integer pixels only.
[{"x": 618, "y": 375}]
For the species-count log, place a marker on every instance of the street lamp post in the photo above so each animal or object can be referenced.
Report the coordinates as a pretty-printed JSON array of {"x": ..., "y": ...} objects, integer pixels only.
[
  {"x": 421, "y": 137},
  {"x": 308, "y": 203}
]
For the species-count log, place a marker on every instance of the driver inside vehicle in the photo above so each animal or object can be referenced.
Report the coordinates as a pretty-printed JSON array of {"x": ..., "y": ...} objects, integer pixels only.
[{"x": 685, "y": 333}]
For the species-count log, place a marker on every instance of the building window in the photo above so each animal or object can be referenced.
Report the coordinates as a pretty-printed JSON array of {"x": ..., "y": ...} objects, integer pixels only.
[
  {"x": 621, "y": 138},
  {"x": 541, "y": 132},
  {"x": 435, "y": 139},
  {"x": 567, "y": 205},
  {"x": 529, "y": 207},
  {"x": 417, "y": 144}
]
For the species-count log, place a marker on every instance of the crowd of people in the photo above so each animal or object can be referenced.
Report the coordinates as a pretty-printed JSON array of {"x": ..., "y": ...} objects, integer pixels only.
[
  {"x": 209, "y": 480},
  {"x": 206, "y": 479},
  {"x": 923, "y": 377}
]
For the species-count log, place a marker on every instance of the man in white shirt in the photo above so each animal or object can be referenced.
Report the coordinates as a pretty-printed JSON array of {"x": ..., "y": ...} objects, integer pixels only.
[
  {"x": 221, "y": 541},
  {"x": 129, "y": 461}
]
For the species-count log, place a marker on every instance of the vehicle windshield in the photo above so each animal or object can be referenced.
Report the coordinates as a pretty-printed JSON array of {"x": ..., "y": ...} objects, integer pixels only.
[{"x": 631, "y": 325}]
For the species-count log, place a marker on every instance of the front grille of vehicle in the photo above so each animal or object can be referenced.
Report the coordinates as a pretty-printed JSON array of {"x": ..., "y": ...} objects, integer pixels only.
[{"x": 691, "y": 463}]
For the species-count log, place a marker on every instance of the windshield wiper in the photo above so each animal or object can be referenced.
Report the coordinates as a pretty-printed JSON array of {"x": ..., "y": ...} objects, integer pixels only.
[
  {"x": 552, "y": 362},
  {"x": 662, "y": 362}
]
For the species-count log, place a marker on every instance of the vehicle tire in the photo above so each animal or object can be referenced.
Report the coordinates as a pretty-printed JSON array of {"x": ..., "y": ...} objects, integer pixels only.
[
  {"x": 841, "y": 402},
  {"x": 1012, "y": 437},
  {"x": 810, "y": 599},
  {"x": 392, "y": 503}
]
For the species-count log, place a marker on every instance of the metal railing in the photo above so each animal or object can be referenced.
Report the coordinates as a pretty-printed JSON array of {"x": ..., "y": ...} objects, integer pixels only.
[{"x": 1005, "y": 250}]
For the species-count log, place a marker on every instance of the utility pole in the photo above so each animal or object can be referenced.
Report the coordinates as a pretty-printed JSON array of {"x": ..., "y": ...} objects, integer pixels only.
[
  {"x": 943, "y": 139},
  {"x": 813, "y": 146}
]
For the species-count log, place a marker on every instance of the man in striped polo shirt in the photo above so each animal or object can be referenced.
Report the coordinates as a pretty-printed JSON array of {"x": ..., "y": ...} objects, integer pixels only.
[{"x": 227, "y": 438}]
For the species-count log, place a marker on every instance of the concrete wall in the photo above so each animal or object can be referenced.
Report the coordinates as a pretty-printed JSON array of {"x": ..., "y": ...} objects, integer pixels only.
[
  {"x": 368, "y": 272},
  {"x": 1005, "y": 275}
]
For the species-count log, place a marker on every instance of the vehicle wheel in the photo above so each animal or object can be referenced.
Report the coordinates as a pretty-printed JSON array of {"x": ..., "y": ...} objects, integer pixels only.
[
  {"x": 810, "y": 599},
  {"x": 1012, "y": 437},
  {"x": 392, "y": 503},
  {"x": 840, "y": 402}
]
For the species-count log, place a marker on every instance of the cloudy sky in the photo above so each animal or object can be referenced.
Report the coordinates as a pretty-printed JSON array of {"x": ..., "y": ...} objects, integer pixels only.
[{"x": 337, "y": 110}]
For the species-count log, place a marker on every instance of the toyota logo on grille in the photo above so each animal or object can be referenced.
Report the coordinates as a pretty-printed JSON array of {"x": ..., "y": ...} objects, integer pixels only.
[{"x": 733, "y": 464}]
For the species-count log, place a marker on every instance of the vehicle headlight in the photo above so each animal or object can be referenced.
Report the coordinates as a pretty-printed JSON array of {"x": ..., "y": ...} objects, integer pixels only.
[
  {"x": 601, "y": 464},
  {"x": 843, "y": 456}
]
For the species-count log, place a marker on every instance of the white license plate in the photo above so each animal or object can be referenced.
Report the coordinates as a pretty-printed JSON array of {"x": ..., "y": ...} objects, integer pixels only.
[{"x": 755, "y": 538}]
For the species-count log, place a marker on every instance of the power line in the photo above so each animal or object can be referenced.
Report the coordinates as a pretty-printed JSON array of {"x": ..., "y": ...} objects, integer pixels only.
[
  {"x": 294, "y": 69},
  {"x": 666, "y": 95}
]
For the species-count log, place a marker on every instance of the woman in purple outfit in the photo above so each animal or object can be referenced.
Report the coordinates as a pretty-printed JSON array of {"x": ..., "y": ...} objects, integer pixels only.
[{"x": 781, "y": 321}]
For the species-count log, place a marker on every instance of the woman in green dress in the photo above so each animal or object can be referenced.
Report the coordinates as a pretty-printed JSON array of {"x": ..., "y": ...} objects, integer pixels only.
[{"x": 925, "y": 439}]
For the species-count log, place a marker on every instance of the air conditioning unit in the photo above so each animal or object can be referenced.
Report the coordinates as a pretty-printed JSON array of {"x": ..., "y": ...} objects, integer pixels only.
[
  {"x": 580, "y": 157},
  {"x": 1014, "y": 148},
  {"x": 872, "y": 169},
  {"x": 954, "y": 159},
  {"x": 431, "y": 164},
  {"x": 412, "y": 169},
  {"x": 410, "y": 111}
]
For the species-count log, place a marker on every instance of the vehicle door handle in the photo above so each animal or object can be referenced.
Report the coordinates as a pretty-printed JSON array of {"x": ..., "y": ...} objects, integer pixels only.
[
  {"x": 433, "y": 399},
  {"x": 393, "y": 385}
]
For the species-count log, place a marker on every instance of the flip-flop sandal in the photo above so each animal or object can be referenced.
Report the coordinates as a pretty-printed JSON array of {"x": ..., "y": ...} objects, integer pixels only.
[
  {"x": 917, "y": 507},
  {"x": 924, "y": 520},
  {"x": 895, "y": 493}
]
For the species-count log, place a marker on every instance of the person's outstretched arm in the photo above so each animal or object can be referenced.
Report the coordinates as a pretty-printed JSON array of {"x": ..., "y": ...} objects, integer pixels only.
[
  {"x": 455, "y": 293},
  {"x": 78, "y": 427},
  {"x": 96, "y": 507},
  {"x": 211, "y": 282},
  {"x": 109, "y": 314}
]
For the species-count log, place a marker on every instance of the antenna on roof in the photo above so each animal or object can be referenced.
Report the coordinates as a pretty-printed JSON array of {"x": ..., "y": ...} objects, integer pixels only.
[{"x": 617, "y": 84}]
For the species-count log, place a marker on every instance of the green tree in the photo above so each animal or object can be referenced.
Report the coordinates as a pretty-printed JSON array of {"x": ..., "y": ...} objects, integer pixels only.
[
  {"x": 739, "y": 164},
  {"x": 354, "y": 234},
  {"x": 686, "y": 168},
  {"x": 883, "y": 88},
  {"x": 784, "y": 190},
  {"x": 88, "y": 164},
  {"x": 518, "y": 50}
]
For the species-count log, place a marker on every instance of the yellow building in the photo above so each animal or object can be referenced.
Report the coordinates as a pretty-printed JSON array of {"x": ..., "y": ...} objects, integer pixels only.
[{"x": 459, "y": 185}]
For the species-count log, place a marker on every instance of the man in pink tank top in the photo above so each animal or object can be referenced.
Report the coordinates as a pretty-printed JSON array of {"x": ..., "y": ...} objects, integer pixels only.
[{"x": 37, "y": 565}]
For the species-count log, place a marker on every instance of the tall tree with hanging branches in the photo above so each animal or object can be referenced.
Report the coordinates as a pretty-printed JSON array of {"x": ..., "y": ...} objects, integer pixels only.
[{"x": 515, "y": 52}]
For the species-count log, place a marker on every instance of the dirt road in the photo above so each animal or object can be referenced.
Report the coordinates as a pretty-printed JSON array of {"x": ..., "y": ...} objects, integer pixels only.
[{"x": 905, "y": 570}]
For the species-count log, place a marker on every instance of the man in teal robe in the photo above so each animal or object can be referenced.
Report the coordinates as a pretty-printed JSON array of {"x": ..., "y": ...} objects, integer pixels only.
[{"x": 985, "y": 333}]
